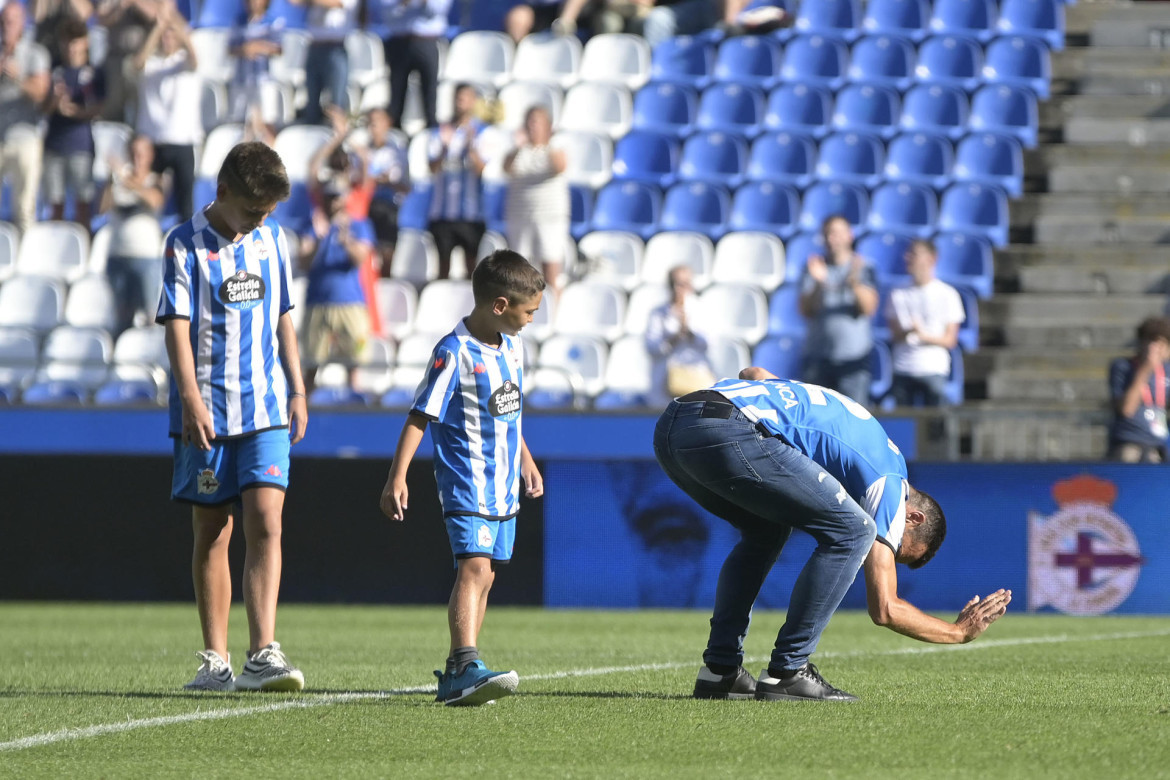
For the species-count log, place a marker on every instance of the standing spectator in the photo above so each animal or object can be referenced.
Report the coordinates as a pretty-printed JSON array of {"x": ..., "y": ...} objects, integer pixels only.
[
  {"x": 50, "y": 15},
  {"x": 75, "y": 100},
  {"x": 602, "y": 16},
  {"x": 678, "y": 350},
  {"x": 456, "y": 160},
  {"x": 537, "y": 207},
  {"x": 24, "y": 84},
  {"x": 413, "y": 30},
  {"x": 127, "y": 22},
  {"x": 924, "y": 319},
  {"x": 1138, "y": 386},
  {"x": 534, "y": 16},
  {"x": 838, "y": 295},
  {"x": 170, "y": 94},
  {"x": 327, "y": 63},
  {"x": 253, "y": 44},
  {"x": 387, "y": 176}
]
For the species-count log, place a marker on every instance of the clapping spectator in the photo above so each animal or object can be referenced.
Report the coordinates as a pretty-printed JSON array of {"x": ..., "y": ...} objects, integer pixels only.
[
  {"x": 676, "y": 343},
  {"x": 537, "y": 206},
  {"x": 75, "y": 99},
  {"x": 533, "y": 16},
  {"x": 253, "y": 44},
  {"x": 413, "y": 30},
  {"x": 24, "y": 85},
  {"x": 127, "y": 23},
  {"x": 1138, "y": 387},
  {"x": 387, "y": 177},
  {"x": 602, "y": 16},
  {"x": 50, "y": 16},
  {"x": 327, "y": 64},
  {"x": 457, "y": 162}
]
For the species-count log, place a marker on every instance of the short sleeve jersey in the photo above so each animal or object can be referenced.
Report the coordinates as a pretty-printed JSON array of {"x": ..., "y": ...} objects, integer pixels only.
[
  {"x": 234, "y": 294},
  {"x": 838, "y": 332},
  {"x": 472, "y": 395},
  {"x": 838, "y": 434}
]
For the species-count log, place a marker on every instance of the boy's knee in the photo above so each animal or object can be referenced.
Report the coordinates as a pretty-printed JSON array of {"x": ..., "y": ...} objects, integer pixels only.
[{"x": 477, "y": 568}]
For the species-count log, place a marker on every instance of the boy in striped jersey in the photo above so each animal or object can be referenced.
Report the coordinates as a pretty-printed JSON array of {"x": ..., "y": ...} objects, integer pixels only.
[
  {"x": 236, "y": 404},
  {"x": 472, "y": 394}
]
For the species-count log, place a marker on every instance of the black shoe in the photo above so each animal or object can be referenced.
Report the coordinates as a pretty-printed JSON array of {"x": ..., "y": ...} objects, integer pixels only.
[
  {"x": 804, "y": 684},
  {"x": 736, "y": 685}
]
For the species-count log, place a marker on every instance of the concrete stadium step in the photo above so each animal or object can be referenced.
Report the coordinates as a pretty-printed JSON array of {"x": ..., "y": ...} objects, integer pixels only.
[
  {"x": 1134, "y": 25},
  {"x": 1057, "y": 335},
  {"x": 1117, "y": 155},
  {"x": 1116, "y": 129},
  {"x": 1050, "y": 386},
  {"x": 998, "y": 439},
  {"x": 1097, "y": 177},
  {"x": 1017, "y": 256},
  {"x": 1057, "y": 278},
  {"x": 978, "y": 366},
  {"x": 1069, "y": 311},
  {"x": 1100, "y": 229},
  {"x": 1081, "y": 61},
  {"x": 1033, "y": 205}
]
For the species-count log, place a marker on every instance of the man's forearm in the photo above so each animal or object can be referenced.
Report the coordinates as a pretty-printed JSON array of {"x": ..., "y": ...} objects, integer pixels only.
[{"x": 906, "y": 619}]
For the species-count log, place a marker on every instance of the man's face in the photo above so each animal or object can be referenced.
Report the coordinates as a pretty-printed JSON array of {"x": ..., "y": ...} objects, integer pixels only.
[
  {"x": 12, "y": 22},
  {"x": 464, "y": 102},
  {"x": 516, "y": 316},
  {"x": 838, "y": 236},
  {"x": 682, "y": 283},
  {"x": 241, "y": 214}
]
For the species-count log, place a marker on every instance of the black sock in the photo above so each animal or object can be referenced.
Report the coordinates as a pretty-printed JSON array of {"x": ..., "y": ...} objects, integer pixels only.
[
  {"x": 721, "y": 669},
  {"x": 464, "y": 656}
]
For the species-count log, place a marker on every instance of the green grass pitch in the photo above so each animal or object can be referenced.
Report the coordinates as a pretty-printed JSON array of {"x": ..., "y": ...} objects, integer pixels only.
[{"x": 90, "y": 690}]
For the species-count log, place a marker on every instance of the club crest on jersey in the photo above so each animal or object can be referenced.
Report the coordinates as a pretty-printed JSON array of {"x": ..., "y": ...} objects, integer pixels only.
[
  {"x": 207, "y": 483},
  {"x": 242, "y": 290},
  {"x": 505, "y": 401}
]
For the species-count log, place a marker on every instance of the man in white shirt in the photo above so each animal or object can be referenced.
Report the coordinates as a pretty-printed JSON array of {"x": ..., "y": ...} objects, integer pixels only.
[
  {"x": 924, "y": 319},
  {"x": 24, "y": 84}
]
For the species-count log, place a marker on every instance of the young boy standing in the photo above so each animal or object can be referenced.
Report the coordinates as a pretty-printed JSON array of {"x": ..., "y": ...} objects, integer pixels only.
[
  {"x": 472, "y": 392},
  {"x": 237, "y": 403}
]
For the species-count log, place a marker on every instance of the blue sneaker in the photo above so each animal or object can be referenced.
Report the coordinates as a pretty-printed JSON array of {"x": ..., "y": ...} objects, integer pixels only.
[
  {"x": 477, "y": 685},
  {"x": 444, "y": 685}
]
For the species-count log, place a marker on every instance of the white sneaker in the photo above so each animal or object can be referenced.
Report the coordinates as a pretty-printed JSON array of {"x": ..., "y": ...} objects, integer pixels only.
[
  {"x": 215, "y": 674},
  {"x": 269, "y": 670}
]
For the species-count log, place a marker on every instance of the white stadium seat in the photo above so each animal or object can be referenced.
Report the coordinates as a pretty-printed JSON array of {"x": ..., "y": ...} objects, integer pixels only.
[
  {"x": 367, "y": 59},
  {"x": 643, "y": 300},
  {"x": 296, "y": 146},
  {"x": 615, "y": 58},
  {"x": 9, "y": 249},
  {"x": 143, "y": 346},
  {"x": 56, "y": 249},
  {"x": 728, "y": 356},
  {"x": 665, "y": 251},
  {"x": 554, "y": 59},
  {"x": 90, "y": 303},
  {"x": 397, "y": 304},
  {"x": 757, "y": 258},
  {"x": 219, "y": 142},
  {"x": 80, "y": 355},
  {"x": 415, "y": 258},
  {"x": 736, "y": 310},
  {"x": 613, "y": 256},
  {"x": 591, "y": 308},
  {"x": 480, "y": 55},
  {"x": 415, "y": 350},
  {"x": 629, "y": 367},
  {"x": 110, "y": 139},
  {"x": 34, "y": 302},
  {"x": 441, "y": 305},
  {"x": 597, "y": 108},
  {"x": 583, "y": 356},
  {"x": 588, "y": 158},
  {"x": 213, "y": 53},
  {"x": 376, "y": 373},
  {"x": 289, "y": 67},
  {"x": 519, "y": 96},
  {"x": 18, "y": 356}
]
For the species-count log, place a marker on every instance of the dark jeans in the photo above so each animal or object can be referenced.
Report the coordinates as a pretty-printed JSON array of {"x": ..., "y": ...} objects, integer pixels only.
[
  {"x": 450, "y": 234},
  {"x": 326, "y": 68},
  {"x": 408, "y": 54},
  {"x": 765, "y": 488},
  {"x": 919, "y": 390},
  {"x": 851, "y": 378},
  {"x": 179, "y": 159}
]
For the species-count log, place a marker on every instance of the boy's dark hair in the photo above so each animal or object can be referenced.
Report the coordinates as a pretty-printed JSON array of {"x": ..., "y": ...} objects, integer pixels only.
[
  {"x": 507, "y": 274},
  {"x": 71, "y": 29},
  {"x": 1154, "y": 328},
  {"x": 933, "y": 529},
  {"x": 924, "y": 243},
  {"x": 830, "y": 220},
  {"x": 255, "y": 172}
]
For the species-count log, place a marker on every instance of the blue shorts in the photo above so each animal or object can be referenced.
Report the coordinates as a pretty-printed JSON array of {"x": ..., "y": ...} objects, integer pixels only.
[
  {"x": 479, "y": 537},
  {"x": 217, "y": 476}
]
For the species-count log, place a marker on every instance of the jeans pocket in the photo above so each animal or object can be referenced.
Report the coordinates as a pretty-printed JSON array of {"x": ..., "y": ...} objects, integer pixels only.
[{"x": 715, "y": 463}]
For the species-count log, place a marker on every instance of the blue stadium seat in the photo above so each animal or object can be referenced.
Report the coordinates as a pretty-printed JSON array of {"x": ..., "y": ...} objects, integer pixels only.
[
  {"x": 920, "y": 158},
  {"x": 834, "y": 18},
  {"x": 902, "y": 207},
  {"x": 782, "y": 355},
  {"x": 54, "y": 393},
  {"x": 881, "y": 367},
  {"x": 829, "y": 198},
  {"x": 618, "y": 401},
  {"x": 980, "y": 209},
  {"x": 965, "y": 260},
  {"x": 972, "y": 18},
  {"x": 494, "y": 196},
  {"x": 886, "y": 252},
  {"x": 718, "y": 158},
  {"x": 800, "y": 108},
  {"x": 416, "y": 207},
  {"x": 1019, "y": 62},
  {"x": 784, "y": 158},
  {"x": 580, "y": 211},
  {"x": 991, "y": 159},
  {"x": 662, "y": 107},
  {"x": 338, "y": 396},
  {"x": 815, "y": 59},
  {"x": 642, "y": 155},
  {"x": 766, "y": 207},
  {"x": 797, "y": 251},
  {"x": 933, "y": 108},
  {"x": 696, "y": 206},
  {"x": 998, "y": 108},
  {"x": 294, "y": 15},
  {"x": 731, "y": 108},
  {"x": 851, "y": 157},
  {"x": 753, "y": 60},
  {"x": 883, "y": 59},
  {"x": 784, "y": 317},
  {"x": 954, "y": 392},
  {"x": 969, "y": 330},
  {"x": 1042, "y": 19},
  {"x": 627, "y": 205},
  {"x": 908, "y": 18},
  {"x": 220, "y": 13},
  {"x": 296, "y": 213},
  {"x": 683, "y": 60},
  {"x": 867, "y": 108},
  {"x": 126, "y": 392},
  {"x": 952, "y": 61}
]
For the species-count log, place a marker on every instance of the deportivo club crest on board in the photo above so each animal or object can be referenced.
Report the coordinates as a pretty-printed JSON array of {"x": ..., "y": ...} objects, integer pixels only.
[{"x": 1084, "y": 559}]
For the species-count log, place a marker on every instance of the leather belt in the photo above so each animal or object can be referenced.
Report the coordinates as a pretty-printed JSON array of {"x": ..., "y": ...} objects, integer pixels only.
[{"x": 714, "y": 404}]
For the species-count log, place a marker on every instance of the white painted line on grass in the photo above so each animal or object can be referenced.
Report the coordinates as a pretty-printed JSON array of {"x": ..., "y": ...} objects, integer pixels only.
[{"x": 310, "y": 701}]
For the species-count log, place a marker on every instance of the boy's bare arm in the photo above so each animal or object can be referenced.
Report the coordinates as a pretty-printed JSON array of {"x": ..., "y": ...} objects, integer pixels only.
[
  {"x": 197, "y": 425},
  {"x": 394, "y": 494},
  {"x": 533, "y": 482},
  {"x": 290, "y": 356}
]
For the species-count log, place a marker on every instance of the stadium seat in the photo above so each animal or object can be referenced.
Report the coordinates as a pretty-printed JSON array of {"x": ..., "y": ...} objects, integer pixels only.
[
  {"x": 883, "y": 59},
  {"x": 735, "y": 310},
  {"x": 907, "y": 18},
  {"x": 955, "y": 387},
  {"x": 415, "y": 349},
  {"x": 289, "y": 67},
  {"x": 920, "y": 158},
  {"x": 965, "y": 260},
  {"x": 799, "y": 109},
  {"x": 905, "y": 208},
  {"x": 731, "y": 108},
  {"x": 582, "y": 356},
  {"x": 213, "y": 104},
  {"x": 1041, "y": 19},
  {"x": 541, "y": 326},
  {"x": 998, "y": 108},
  {"x": 950, "y": 60},
  {"x": 752, "y": 60},
  {"x": 969, "y": 18},
  {"x": 683, "y": 60},
  {"x": 991, "y": 159},
  {"x": 404, "y": 384},
  {"x": 56, "y": 249},
  {"x": 518, "y": 97},
  {"x": 1019, "y": 62},
  {"x": 648, "y": 157},
  {"x": 696, "y": 206},
  {"x": 441, "y": 304},
  {"x": 219, "y": 13},
  {"x": 550, "y": 388},
  {"x": 782, "y": 355},
  {"x": 728, "y": 355},
  {"x": 591, "y": 308},
  {"x": 212, "y": 53},
  {"x": 110, "y": 140},
  {"x": 492, "y": 201},
  {"x": 366, "y": 58},
  {"x": 597, "y": 108},
  {"x": 627, "y": 376},
  {"x": 296, "y": 212},
  {"x": 665, "y": 251},
  {"x": 129, "y": 392},
  {"x": 9, "y": 249},
  {"x": 933, "y": 108},
  {"x": 797, "y": 251},
  {"x": 851, "y": 157},
  {"x": 975, "y": 208},
  {"x": 629, "y": 206},
  {"x": 294, "y": 15},
  {"x": 588, "y": 158},
  {"x": 834, "y": 18},
  {"x": 397, "y": 303},
  {"x": 784, "y": 317},
  {"x": 969, "y": 330},
  {"x": 581, "y": 202},
  {"x": 480, "y": 56},
  {"x": 867, "y": 108},
  {"x": 755, "y": 258},
  {"x": 765, "y": 207},
  {"x": 616, "y": 59},
  {"x": 375, "y": 375},
  {"x": 90, "y": 303},
  {"x": 142, "y": 348},
  {"x": 715, "y": 157},
  {"x": 416, "y": 206},
  {"x": 18, "y": 359},
  {"x": 297, "y": 145},
  {"x": 662, "y": 107},
  {"x": 613, "y": 257},
  {"x": 415, "y": 258},
  {"x": 552, "y": 59},
  {"x": 815, "y": 59},
  {"x": 829, "y": 198},
  {"x": 54, "y": 393},
  {"x": 881, "y": 368},
  {"x": 886, "y": 253},
  {"x": 337, "y": 396},
  {"x": 784, "y": 158},
  {"x": 643, "y": 300},
  {"x": 77, "y": 355}
]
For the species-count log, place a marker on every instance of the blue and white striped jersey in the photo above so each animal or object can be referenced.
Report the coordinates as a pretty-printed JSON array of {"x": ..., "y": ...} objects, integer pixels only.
[
  {"x": 837, "y": 433},
  {"x": 472, "y": 394},
  {"x": 233, "y": 294}
]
